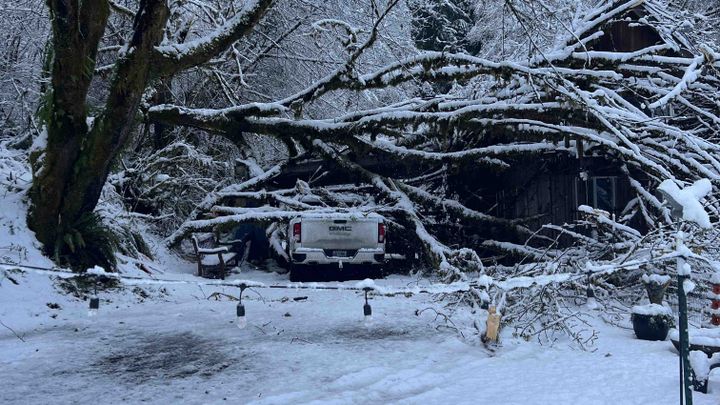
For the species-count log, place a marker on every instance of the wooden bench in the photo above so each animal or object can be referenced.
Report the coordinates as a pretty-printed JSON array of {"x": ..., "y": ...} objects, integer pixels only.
[
  {"x": 704, "y": 356},
  {"x": 701, "y": 366},
  {"x": 213, "y": 261}
]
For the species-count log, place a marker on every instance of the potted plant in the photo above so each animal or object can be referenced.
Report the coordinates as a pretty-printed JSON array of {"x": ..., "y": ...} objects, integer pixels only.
[
  {"x": 653, "y": 321},
  {"x": 655, "y": 285}
]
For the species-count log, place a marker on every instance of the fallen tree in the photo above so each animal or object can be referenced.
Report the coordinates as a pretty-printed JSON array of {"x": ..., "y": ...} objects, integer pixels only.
[
  {"x": 653, "y": 111},
  {"x": 565, "y": 101}
]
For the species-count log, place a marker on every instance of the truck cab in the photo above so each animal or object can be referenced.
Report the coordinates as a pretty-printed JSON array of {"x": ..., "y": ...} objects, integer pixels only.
[{"x": 345, "y": 243}]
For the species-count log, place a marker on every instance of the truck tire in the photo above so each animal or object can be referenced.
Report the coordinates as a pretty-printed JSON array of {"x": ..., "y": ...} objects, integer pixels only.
[
  {"x": 375, "y": 272},
  {"x": 298, "y": 272}
]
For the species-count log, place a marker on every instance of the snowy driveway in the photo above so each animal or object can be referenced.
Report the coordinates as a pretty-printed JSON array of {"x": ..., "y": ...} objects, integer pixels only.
[{"x": 184, "y": 349}]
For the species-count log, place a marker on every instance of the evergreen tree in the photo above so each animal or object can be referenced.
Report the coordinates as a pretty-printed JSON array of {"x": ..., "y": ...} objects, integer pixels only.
[{"x": 443, "y": 25}]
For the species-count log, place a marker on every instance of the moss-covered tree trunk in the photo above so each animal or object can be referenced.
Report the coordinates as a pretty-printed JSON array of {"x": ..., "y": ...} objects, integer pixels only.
[
  {"x": 76, "y": 32},
  {"x": 75, "y": 163},
  {"x": 71, "y": 169}
]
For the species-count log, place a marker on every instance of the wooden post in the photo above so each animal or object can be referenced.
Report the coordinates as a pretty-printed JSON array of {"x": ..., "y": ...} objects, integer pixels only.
[
  {"x": 683, "y": 274},
  {"x": 493, "y": 325}
]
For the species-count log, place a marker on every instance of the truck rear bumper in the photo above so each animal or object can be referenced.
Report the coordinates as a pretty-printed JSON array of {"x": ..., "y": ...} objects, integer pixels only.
[{"x": 318, "y": 256}]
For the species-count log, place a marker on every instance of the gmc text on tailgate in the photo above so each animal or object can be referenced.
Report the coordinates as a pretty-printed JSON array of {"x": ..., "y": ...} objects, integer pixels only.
[{"x": 347, "y": 244}]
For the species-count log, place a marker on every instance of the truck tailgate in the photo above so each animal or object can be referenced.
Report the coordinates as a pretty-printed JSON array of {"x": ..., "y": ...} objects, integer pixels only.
[{"x": 334, "y": 234}]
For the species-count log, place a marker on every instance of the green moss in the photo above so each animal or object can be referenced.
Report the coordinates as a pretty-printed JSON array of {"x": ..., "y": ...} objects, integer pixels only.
[
  {"x": 87, "y": 243},
  {"x": 44, "y": 111}
]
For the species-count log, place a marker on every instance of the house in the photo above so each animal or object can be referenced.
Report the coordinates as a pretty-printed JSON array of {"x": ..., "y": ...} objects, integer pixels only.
[{"x": 549, "y": 188}]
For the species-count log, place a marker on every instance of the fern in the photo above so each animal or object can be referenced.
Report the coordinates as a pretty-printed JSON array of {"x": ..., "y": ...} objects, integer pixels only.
[{"x": 88, "y": 242}]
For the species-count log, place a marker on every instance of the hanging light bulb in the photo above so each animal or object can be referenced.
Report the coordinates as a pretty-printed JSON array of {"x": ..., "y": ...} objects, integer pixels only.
[
  {"x": 94, "y": 300},
  {"x": 367, "y": 310},
  {"x": 591, "y": 303},
  {"x": 241, "y": 320},
  {"x": 240, "y": 310},
  {"x": 94, "y": 306}
]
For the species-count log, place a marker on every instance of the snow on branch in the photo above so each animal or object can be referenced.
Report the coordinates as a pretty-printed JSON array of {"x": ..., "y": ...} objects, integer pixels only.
[
  {"x": 262, "y": 214},
  {"x": 692, "y": 73},
  {"x": 173, "y": 58},
  {"x": 212, "y": 199},
  {"x": 687, "y": 200}
]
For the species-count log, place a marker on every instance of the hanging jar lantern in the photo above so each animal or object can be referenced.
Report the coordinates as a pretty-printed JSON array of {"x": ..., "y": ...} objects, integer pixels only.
[
  {"x": 367, "y": 309},
  {"x": 94, "y": 306},
  {"x": 241, "y": 320},
  {"x": 240, "y": 310}
]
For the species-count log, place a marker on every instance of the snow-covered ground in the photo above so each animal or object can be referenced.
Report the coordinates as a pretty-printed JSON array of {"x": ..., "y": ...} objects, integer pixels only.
[{"x": 175, "y": 345}]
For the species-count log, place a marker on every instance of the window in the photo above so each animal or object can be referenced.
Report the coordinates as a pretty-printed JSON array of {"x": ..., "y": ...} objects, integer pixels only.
[
  {"x": 598, "y": 192},
  {"x": 602, "y": 193}
]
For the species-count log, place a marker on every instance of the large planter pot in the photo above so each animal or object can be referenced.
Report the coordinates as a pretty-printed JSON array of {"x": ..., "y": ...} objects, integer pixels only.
[{"x": 651, "y": 322}]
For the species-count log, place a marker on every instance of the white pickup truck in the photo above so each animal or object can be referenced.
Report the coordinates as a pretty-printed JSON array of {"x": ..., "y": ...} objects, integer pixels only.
[{"x": 342, "y": 242}]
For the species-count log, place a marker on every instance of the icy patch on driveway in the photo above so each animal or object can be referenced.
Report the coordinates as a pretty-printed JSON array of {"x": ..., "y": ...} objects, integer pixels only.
[{"x": 163, "y": 356}]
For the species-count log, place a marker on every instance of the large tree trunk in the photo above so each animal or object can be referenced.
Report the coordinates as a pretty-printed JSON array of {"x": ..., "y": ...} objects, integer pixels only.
[
  {"x": 77, "y": 160},
  {"x": 113, "y": 126},
  {"x": 72, "y": 168},
  {"x": 77, "y": 29}
]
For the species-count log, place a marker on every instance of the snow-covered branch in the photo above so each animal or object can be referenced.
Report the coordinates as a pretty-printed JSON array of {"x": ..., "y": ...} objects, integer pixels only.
[{"x": 172, "y": 58}]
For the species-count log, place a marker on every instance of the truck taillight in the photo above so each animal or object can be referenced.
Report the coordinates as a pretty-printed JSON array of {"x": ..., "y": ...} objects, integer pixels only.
[
  {"x": 297, "y": 229},
  {"x": 381, "y": 233}
]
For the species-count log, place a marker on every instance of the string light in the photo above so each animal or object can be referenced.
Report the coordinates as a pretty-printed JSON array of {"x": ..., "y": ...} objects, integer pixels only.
[
  {"x": 591, "y": 303},
  {"x": 94, "y": 300},
  {"x": 367, "y": 309},
  {"x": 94, "y": 306},
  {"x": 240, "y": 310}
]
